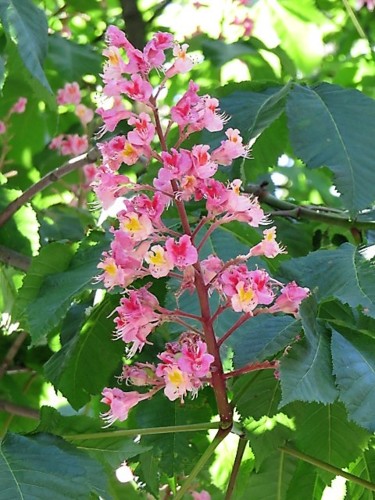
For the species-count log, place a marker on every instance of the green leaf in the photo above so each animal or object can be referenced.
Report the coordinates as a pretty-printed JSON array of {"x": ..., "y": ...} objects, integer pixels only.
[
  {"x": 46, "y": 467},
  {"x": 267, "y": 434},
  {"x": 112, "y": 451},
  {"x": 177, "y": 452},
  {"x": 343, "y": 274},
  {"x": 354, "y": 367},
  {"x": 26, "y": 27},
  {"x": 74, "y": 369},
  {"x": 323, "y": 123},
  {"x": 306, "y": 483},
  {"x": 53, "y": 295},
  {"x": 257, "y": 394},
  {"x": 71, "y": 59},
  {"x": 306, "y": 371},
  {"x": 364, "y": 467},
  {"x": 262, "y": 337},
  {"x": 324, "y": 432},
  {"x": 271, "y": 481},
  {"x": 20, "y": 233}
]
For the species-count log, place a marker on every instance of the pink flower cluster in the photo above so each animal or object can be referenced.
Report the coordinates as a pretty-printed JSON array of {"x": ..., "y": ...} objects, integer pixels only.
[
  {"x": 18, "y": 107},
  {"x": 184, "y": 367},
  {"x": 144, "y": 245}
]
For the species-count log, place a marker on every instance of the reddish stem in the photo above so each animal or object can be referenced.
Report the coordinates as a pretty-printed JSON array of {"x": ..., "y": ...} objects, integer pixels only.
[
  {"x": 253, "y": 367},
  {"x": 233, "y": 328}
]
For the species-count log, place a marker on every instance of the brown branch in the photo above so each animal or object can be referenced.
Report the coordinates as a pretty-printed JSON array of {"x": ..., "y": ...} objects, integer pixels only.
[
  {"x": 20, "y": 411},
  {"x": 253, "y": 367},
  {"x": 12, "y": 352},
  {"x": 71, "y": 165},
  {"x": 321, "y": 214},
  {"x": 14, "y": 259},
  {"x": 134, "y": 23},
  {"x": 236, "y": 467}
]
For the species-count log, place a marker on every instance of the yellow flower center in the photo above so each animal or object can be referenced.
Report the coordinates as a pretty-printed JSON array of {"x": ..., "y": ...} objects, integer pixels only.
[
  {"x": 110, "y": 268},
  {"x": 157, "y": 258},
  {"x": 245, "y": 295},
  {"x": 132, "y": 224},
  {"x": 176, "y": 377}
]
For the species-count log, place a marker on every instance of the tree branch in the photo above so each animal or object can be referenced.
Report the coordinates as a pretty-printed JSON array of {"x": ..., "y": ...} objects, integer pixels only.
[
  {"x": 134, "y": 24},
  {"x": 11, "y": 354},
  {"x": 321, "y": 214},
  {"x": 14, "y": 259},
  {"x": 20, "y": 411},
  {"x": 90, "y": 157}
]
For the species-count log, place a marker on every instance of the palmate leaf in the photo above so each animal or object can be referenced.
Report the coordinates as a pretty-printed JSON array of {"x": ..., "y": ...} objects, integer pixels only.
[
  {"x": 271, "y": 481},
  {"x": 261, "y": 337},
  {"x": 257, "y": 394},
  {"x": 56, "y": 277},
  {"x": 343, "y": 274},
  {"x": 323, "y": 124},
  {"x": 353, "y": 358},
  {"x": 74, "y": 369},
  {"x": 26, "y": 27},
  {"x": 176, "y": 452},
  {"x": 111, "y": 451},
  {"x": 306, "y": 371},
  {"x": 45, "y": 467},
  {"x": 324, "y": 432}
]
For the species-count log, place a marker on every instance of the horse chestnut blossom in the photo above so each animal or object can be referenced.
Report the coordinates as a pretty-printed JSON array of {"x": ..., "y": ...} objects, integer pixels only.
[{"x": 147, "y": 244}]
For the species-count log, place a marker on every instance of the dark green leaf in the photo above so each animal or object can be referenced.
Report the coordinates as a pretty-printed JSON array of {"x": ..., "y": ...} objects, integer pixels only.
[
  {"x": 306, "y": 371},
  {"x": 261, "y": 337},
  {"x": 109, "y": 450},
  {"x": 46, "y": 467},
  {"x": 364, "y": 467},
  {"x": 343, "y": 274},
  {"x": 323, "y": 124},
  {"x": 74, "y": 369},
  {"x": 306, "y": 483},
  {"x": 354, "y": 367},
  {"x": 324, "y": 432},
  {"x": 257, "y": 394},
  {"x": 26, "y": 27}
]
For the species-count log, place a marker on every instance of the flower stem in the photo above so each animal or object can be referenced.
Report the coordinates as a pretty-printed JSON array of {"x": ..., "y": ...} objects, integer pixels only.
[
  {"x": 328, "y": 467},
  {"x": 236, "y": 467},
  {"x": 221, "y": 434},
  {"x": 143, "y": 432},
  {"x": 253, "y": 367},
  {"x": 233, "y": 328}
]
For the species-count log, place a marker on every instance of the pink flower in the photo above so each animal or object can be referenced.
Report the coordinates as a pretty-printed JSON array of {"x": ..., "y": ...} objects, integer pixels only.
[
  {"x": 144, "y": 130},
  {"x": 182, "y": 252},
  {"x": 114, "y": 36},
  {"x": 113, "y": 274},
  {"x": 202, "y": 495},
  {"x": 203, "y": 166},
  {"x": 211, "y": 267},
  {"x": 194, "y": 359},
  {"x": 19, "y": 106},
  {"x": 159, "y": 262},
  {"x": 3, "y": 127},
  {"x": 177, "y": 383},
  {"x": 84, "y": 113},
  {"x": 290, "y": 298},
  {"x": 74, "y": 145},
  {"x": 137, "y": 88},
  {"x": 69, "y": 94},
  {"x": 269, "y": 246},
  {"x": 230, "y": 149},
  {"x": 120, "y": 403},
  {"x": 112, "y": 116},
  {"x": 138, "y": 227},
  {"x": 183, "y": 63},
  {"x": 245, "y": 298},
  {"x": 260, "y": 283},
  {"x": 154, "y": 50}
]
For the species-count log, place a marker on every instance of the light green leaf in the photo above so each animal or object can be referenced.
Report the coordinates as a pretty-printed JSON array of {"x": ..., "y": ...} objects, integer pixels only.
[
  {"x": 323, "y": 123},
  {"x": 46, "y": 467},
  {"x": 343, "y": 274},
  {"x": 364, "y": 467},
  {"x": 354, "y": 367},
  {"x": 306, "y": 371},
  {"x": 261, "y": 337},
  {"x": 324, "y": 432},
  {"x": 74, "y": 369},
  {"x": 26, "y": 27}
]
